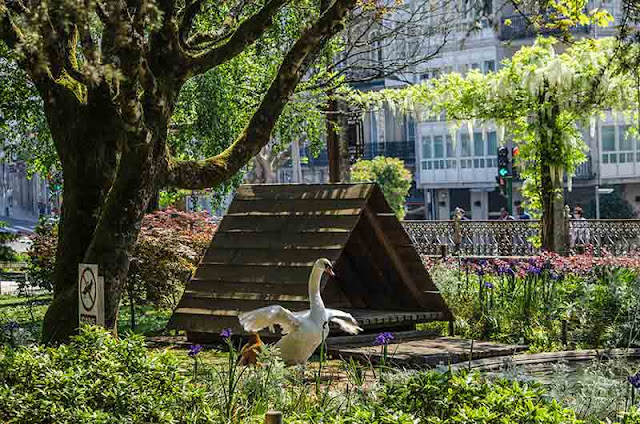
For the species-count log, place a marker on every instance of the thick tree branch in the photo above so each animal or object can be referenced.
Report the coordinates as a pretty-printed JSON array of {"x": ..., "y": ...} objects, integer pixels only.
[
  {"x": 191, "y": 9},
  {"x": 246, "y": 34},
  {"x": 102, "y": 14},
  {"x": 203, "y": 40},
  {"x": 196, "y": 174}
]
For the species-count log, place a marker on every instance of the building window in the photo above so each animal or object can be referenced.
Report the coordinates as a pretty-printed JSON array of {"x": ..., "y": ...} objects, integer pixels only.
[
  {"x": 489, "y": 66},
  {"x": 626, "y": 139},
  {"x": 374, "y": 127},
  {"x": 608, "y": 138},
  {"x": 492, "y": 149},
  {"x": 438, "y": 147},
  {"x": 492, "y": 144},
  {"x": 478, "y": 144},
  {"x": 609, "y": 144},
  {"x": 451, "y": 151},
  {"x": 426, "y": 147},
  {"x": 411, "y": 129},
  {"x": 465, "y": 145}
]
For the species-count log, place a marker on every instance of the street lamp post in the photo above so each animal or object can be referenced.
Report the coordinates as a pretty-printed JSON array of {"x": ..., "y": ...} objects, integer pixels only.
[{"x": 597, "y": 202}]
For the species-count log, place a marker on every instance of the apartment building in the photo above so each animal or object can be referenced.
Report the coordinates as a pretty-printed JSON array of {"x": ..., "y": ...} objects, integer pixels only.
[{"x": 458, "y": 169}]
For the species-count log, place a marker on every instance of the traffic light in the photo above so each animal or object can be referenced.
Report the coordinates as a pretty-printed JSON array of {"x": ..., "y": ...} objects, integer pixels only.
[
  {"x": 504, "y": 162},
  {"x": 502, "y": 185}
]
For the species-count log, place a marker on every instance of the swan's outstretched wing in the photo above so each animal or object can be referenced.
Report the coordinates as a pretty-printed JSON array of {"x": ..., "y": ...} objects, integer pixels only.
[
  {"x": 256, "y": 320},
  {"x": 345, "y": 320}
]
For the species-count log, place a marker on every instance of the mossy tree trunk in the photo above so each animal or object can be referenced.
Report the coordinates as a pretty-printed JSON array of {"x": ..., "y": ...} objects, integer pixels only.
[
  {"x": 110, "y": 128},
  {"x": 554, "y": 235}
]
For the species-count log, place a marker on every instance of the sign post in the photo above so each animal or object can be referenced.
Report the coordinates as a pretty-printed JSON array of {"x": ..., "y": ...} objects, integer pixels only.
[{"x": 90, "y": 295}]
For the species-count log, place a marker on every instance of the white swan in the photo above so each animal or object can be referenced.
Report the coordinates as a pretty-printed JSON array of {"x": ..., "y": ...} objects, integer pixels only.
[{"x": 305, "y": 330}]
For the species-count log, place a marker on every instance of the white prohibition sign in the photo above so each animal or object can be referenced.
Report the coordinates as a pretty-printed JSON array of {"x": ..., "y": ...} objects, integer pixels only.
[{"x": 88, "y": 289}]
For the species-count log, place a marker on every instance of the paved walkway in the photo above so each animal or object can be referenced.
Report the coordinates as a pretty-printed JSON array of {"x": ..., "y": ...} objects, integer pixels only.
[
  {"x": 412, "y": 352},
  {"x": 8, "y": 287},
  {"x": 414, "y": 348},
  {"x": 19, "y": 223}
]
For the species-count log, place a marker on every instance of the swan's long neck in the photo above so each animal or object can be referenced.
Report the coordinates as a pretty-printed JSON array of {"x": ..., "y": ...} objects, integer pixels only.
[{"x": 315, "y": 301}]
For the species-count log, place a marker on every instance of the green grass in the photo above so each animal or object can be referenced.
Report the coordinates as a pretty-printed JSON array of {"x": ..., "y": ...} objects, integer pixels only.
[
  {"x": 149, "y": 319},
  {"x": 13, "y": 300},
  {"x": 29, "y": 313}
]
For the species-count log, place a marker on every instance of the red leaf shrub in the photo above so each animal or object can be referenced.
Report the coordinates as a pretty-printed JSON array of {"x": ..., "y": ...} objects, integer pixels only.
[{"x": 170, "y": 246}]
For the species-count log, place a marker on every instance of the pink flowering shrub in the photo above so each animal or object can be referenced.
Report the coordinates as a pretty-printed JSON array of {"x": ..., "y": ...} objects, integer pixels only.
[{"x": 592, "y": 300}]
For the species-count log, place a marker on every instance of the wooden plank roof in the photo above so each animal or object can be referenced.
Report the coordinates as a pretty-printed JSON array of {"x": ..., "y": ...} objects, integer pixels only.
[{"x": 272, "y": 234}]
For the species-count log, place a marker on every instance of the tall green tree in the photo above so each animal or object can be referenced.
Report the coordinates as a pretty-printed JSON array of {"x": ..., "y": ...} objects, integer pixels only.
[
  {"x": 392, "y": 176},
  {"x": 109, "y": 74}
]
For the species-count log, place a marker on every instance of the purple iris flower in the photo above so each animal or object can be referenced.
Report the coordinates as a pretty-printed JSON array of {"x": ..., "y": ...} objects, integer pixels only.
[
  {"x": 11, "y": 326},
  {"x": 555, "y": 276},
  {"x": 482, "y": 262},
  {"x": 488, "y": 285},
  {"x": 480, "y": 271},
  {"x": 634, "y": 380},
  {"x": 226, "y": 333},
  {"x": 384, "y": 338},
  {"x": 504, "y": 270},
  {"x": 535, "y": 270},
  {"x": 194, "y": 350}
]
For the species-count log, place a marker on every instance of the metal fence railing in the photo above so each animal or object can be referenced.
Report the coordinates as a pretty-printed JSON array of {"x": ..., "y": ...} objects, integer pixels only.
[{"x": 521, "y": 238}]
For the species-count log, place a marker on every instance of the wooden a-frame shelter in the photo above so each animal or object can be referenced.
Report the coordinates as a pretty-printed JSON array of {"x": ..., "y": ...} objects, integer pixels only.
[{"x": 265, "y": 246}]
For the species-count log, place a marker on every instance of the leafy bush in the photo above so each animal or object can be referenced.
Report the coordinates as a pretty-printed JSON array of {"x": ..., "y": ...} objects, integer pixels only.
[
  {"x": 469, "y": 398},
  {"x": 97, "y": 379},
  {"x": 170, "y": 246},
  {"x": 432, "y": 397},
  {"x": 7, "y": 254},
  {"x": 612, "y": 206},
  {"x": 392, "y": 176},
  {"x": 42, "y": 254}
]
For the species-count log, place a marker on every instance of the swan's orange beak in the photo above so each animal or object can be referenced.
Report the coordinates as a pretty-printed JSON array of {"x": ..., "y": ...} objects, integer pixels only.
[{"x": 330, "y": 272}]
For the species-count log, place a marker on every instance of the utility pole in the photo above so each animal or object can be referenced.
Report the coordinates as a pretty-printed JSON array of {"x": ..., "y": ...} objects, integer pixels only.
[
  {"x": 597, "y": 201},
  {"x": 510, "y": 194},
  {"x": 333, "y": 141}
]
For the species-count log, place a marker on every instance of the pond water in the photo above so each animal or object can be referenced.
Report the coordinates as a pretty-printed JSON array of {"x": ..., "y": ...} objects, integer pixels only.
[
  {"x": 572, "y": 371},
  {"x": 595, "y": 389}
]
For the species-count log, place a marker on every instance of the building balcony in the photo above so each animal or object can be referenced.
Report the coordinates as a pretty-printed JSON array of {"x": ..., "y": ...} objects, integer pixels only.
[
  {"x": 584, "y": 172},
  {"x": 521, "y": 28},
  {"x": 404, "y": 150}
]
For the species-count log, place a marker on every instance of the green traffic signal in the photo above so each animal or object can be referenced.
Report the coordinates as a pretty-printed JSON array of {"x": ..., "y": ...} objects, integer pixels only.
[{"x": 503, "y": 172}]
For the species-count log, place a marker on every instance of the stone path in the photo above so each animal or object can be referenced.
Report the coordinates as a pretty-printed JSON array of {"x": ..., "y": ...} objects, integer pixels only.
[{"x": 412, "y": 351}]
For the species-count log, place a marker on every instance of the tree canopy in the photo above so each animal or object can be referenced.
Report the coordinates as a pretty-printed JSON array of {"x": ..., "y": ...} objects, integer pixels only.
[{"x": 109, "y": 75}]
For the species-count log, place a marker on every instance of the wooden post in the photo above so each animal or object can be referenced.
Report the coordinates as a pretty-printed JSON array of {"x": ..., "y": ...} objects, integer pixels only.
[
  {"x": 333, "y": 145},
  {"x": 457, "y": 230},
  {"x": 444, "y": 250},
  {"x": 565, "y": 331},
  {"x": 451, "y": 328},
  {"x": 567, "y": 231},
  {"x": 273, "y": 417}
]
